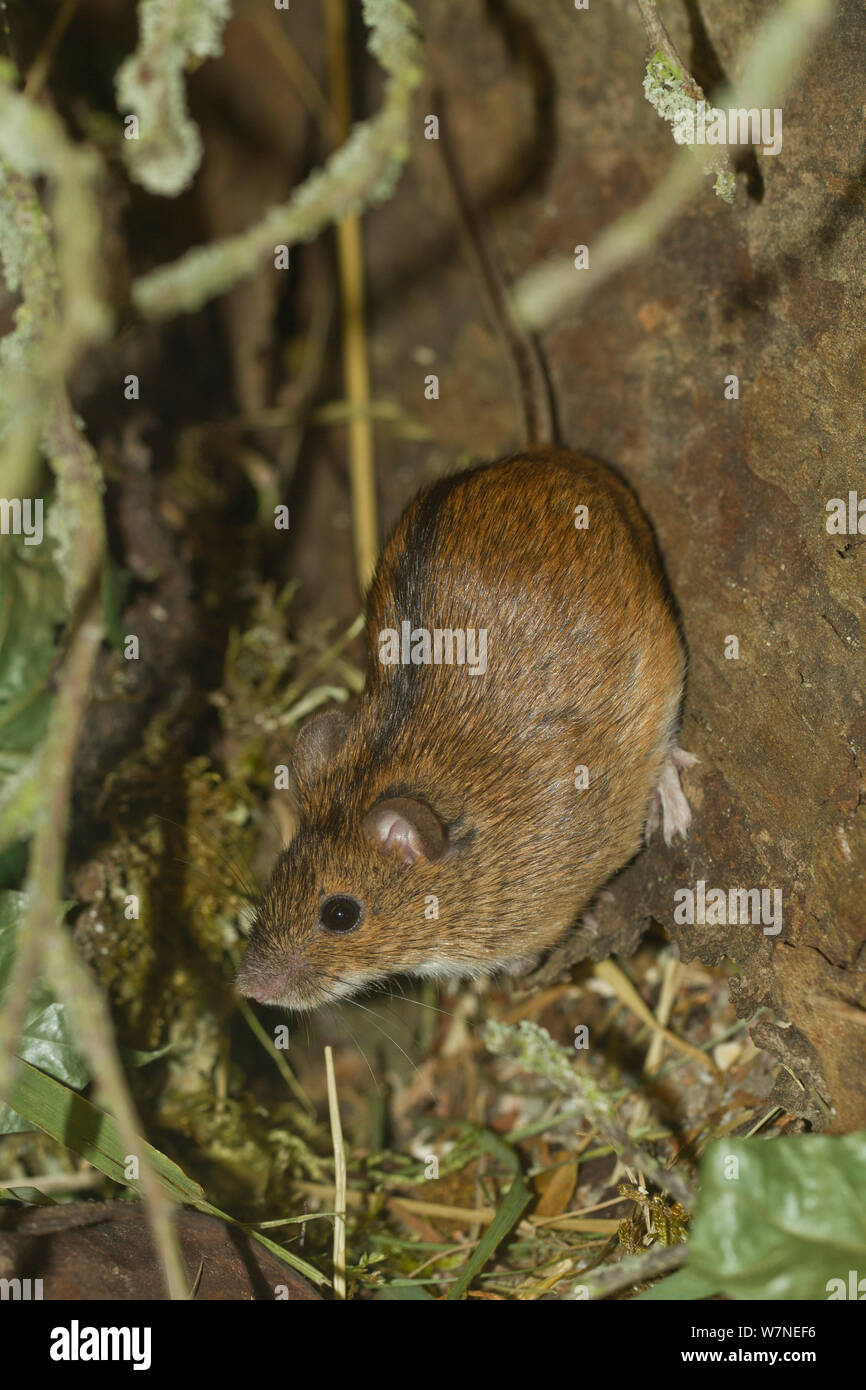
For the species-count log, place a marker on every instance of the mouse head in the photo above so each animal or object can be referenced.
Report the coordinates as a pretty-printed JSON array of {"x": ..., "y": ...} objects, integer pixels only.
[{"x": 346, "y": 903}]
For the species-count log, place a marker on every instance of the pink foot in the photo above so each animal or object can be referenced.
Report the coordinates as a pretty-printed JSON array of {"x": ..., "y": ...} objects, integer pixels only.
[{"x": 669, "y": 800}]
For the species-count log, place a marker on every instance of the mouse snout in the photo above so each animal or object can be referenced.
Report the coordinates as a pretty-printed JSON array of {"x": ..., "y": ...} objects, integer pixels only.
[{"x": 272, "y": 984}]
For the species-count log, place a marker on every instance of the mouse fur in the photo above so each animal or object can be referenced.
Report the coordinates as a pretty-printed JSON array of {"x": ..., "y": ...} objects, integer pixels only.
[{"x": 447, "y": 806}]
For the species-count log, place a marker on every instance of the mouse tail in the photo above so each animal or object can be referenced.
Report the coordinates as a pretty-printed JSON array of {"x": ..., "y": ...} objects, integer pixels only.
[{"x": 536, "y": 401}]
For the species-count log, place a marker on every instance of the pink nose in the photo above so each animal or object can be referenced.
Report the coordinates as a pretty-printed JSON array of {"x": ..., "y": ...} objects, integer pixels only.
[
  {"x": 269, "y": 986},
  {"x": 258, "y": 990}
]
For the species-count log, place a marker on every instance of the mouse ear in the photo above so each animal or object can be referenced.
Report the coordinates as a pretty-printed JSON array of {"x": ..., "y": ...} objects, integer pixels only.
[
  {"x": 408, "y": 828},
  {"x": 318, "y": 741}
]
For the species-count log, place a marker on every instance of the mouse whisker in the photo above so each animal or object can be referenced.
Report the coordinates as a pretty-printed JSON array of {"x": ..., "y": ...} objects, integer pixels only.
[
  {"x": 345, "y": 1025},
  {"x": 375, "y": 987},
  {"x": 245, "y": 880},
  {"x": 382, "y": 988},
  {"x": 386, "y": 1034}
]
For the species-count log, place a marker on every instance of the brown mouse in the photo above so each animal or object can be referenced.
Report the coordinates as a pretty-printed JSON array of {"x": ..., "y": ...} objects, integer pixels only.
[
  {"x": 468, "y": 813},
  {"x": 441, "y": 830}
]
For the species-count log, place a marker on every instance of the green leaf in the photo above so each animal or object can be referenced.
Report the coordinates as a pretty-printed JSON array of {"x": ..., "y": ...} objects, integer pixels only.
[
  {"x": 92, "y": 1134},
  {"x": 791, "y": 1220},
  {"x": 45, "y": 1039},
  {"x": 516, "y": 1201},
  {"x": 89, "y": 1132},
  {"x": 31, "y": 607},
  {"x": 29, "y": 1196},
  {"x": 402, "y": 1291},
  {"x": 115, "y": 583}
]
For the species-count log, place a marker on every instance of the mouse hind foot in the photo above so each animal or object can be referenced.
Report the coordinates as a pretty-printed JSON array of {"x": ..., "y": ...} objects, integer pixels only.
[{"x": 669, "y": 805}]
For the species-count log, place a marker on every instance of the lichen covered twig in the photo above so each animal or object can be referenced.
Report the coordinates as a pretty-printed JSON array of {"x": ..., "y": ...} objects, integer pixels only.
[
  {"x": 362, "y": 172},
  {"x": 671, "y": 92},
  {"x": 533, "y": 1048},
  {"x": 60, "y": 314},
  {"x": 165, "y": 151},
  {"x": 780, "y": 46},
  {"x": 53, "y": 263}
]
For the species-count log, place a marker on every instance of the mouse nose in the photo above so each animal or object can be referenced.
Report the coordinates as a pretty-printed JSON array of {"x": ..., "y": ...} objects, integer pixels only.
[
  {"x": 269, "y": 986},
  {"x": 258, "y": 989}
]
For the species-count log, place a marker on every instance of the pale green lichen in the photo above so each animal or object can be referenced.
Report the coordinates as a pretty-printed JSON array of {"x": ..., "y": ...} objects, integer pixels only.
[
  {"x": 27, "y": 258},
  {"x": 725, "y": 186},
  {"x": 173, "y": 34},
  {"x": 665, "y": 88},
  {"x": 34, "y": 144},
  {"x": 76, "y": 511},
  {"x": 533, "y": 1049},
  {"x": 52, "y": 263},
  {"x": 362, "y": 172},
  {"x": 675, "y": 98}
]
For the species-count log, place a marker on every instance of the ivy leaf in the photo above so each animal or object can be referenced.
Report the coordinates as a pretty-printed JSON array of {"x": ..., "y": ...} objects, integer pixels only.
[
  {"x": 45, "y": 1041},
  {"x": 31, "y": 607},
  {"x": 791, "y": 1221}
]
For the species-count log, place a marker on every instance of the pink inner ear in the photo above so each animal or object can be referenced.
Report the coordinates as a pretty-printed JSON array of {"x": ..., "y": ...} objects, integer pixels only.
[
  {"x": 395, "y": 833},
  {"x": 407, "y": 827}
]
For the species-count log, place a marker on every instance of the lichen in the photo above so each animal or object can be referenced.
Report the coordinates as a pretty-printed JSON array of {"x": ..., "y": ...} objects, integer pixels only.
[
  {"x": 51, "y": 263},
  {"x": 27, "y": 258},
  {"x": 664, "y": 88},
  {"x": 362, "y": 172},
  {"x": 675, "y": 98},
  {"x": 532, "y": 1048},
  {"x": 33, "y": 143},
  {"x": 150, "y": 85}
]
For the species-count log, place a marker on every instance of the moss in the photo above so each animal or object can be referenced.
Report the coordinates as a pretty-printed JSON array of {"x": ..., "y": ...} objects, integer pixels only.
[{"x": 248, "y": 1154}]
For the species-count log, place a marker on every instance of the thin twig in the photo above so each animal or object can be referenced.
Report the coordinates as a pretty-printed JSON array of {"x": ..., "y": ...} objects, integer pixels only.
[
  {"x": 660, "y": 39},
  {"x": 303, "y": 79},
  {"x": 47, "y": 1183},
  {"x": 339, "y": 1180},
  {"x": 95, "y": 1035},
  {"x": 635, "y": 1269},
  {"x": 44, "y": 884},
  {"x": 537, "y": 419},
  {"x": 673, "y": 971},
  {"x": 42, "y": 941},
  {"x": 276, "y": 1055},
  {"x": 350, "y": 253},
  {"x": 617, "y": 980},
  {"x": 39, "y": 70}
]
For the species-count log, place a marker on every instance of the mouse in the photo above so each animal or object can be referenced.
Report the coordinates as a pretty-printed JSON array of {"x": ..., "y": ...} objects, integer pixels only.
[{"x": 516, "y": 740}]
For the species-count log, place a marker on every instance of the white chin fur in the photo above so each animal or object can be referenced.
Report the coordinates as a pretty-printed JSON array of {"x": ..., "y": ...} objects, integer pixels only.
[
  {"x": 452, "y": 972},
  {"x": 449, "y": 972}
]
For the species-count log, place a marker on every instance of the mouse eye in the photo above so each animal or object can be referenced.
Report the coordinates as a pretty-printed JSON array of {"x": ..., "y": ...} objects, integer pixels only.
[{"x": 340, "y": 913}]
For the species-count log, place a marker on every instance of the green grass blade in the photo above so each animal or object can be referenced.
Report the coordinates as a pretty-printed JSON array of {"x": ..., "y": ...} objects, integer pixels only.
[
  {"x": 508, "y": 1215},
  {"x": 92, "y": 1134}
]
